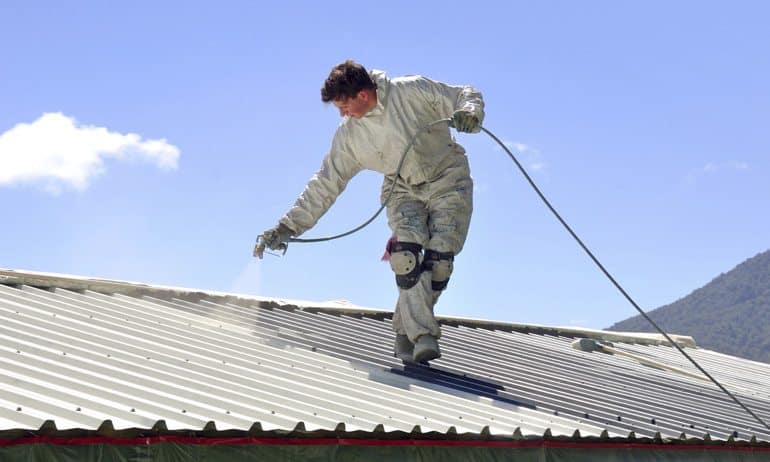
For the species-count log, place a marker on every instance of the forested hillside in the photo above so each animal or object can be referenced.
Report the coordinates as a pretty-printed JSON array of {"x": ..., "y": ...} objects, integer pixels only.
[{"x": 730, "y": 314}]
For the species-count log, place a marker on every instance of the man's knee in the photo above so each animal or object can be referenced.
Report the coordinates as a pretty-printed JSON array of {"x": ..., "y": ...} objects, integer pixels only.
[
  {"x": 440, "y": 264},
  {"x": 406, "y": 262}
]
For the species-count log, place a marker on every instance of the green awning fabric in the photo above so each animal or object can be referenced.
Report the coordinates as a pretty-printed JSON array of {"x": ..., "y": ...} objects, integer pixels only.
[{"x": 250, "y": 449}]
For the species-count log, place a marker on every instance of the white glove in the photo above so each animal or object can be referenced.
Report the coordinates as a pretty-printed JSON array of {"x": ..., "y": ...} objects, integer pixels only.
[{"x": 465, "y": 121}]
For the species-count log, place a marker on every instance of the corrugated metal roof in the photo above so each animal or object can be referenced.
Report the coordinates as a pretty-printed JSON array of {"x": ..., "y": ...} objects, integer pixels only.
[{"x": 138, "y": 355}]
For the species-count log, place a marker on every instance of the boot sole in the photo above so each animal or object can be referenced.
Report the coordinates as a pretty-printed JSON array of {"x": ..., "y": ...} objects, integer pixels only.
[{"x": 426, "y": 356}]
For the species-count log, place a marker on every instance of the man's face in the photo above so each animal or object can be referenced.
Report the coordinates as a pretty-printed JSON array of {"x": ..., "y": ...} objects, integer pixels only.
[{"x": 353, "y": 107}]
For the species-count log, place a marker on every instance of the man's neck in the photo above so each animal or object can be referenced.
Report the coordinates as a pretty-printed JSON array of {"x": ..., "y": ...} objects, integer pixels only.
[{"x": 372, "y": 100}]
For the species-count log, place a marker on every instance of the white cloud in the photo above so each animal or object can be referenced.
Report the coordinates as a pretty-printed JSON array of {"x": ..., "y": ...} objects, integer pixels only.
[
  {"x": 711, "y": 168},
  {"x": 740, "y": 165},
  {"x": 57, "y": 152},
  {"x": 527, "y": 155}
]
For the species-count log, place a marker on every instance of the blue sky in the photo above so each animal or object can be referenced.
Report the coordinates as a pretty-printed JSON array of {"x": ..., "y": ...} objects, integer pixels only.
[{"x": 153, "y": 141}]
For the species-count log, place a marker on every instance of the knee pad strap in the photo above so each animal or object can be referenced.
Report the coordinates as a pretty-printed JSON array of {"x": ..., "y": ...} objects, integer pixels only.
[{"x": 440, "y": 264}]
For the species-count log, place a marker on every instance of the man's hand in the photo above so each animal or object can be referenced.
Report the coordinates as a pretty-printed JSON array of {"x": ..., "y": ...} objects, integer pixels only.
[
  {"x": 465, "y": 121},
  {"x": 274, "y": 239}
]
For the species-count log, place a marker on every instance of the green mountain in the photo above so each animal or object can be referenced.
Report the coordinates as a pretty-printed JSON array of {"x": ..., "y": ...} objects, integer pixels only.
[{"x": 730, "y": 314}]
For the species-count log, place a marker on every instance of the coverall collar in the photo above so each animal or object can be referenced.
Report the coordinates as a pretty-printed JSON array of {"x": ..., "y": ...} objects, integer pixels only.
[{"x": 383, "y": 86}]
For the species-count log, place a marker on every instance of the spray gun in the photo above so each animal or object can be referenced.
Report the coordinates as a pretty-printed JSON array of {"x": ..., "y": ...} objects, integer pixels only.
[{"x": 259, "y": 248}]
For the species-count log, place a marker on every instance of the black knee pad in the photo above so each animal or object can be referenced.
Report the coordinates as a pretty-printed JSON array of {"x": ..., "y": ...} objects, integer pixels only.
[
  {"x": 440, "y": 264},
  {"x": 405, "y": 262}
]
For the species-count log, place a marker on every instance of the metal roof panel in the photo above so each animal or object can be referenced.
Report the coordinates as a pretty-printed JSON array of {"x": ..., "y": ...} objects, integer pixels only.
[{"x": 135, "y": 355}]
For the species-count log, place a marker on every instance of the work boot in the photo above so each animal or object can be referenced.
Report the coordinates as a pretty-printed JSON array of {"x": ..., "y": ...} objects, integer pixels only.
[
  {"x": 426, "y": 349},
  {"x": 403, "y": 348}
]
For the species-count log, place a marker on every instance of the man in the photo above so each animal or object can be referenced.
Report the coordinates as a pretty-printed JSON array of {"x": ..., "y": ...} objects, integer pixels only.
[{"x": 430, "y": 209}]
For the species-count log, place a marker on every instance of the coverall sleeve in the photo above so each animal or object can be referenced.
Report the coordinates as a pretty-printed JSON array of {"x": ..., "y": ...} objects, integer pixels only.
[
  {"x": 449, "y": 98},
  {"x": 337, "y": 168}
]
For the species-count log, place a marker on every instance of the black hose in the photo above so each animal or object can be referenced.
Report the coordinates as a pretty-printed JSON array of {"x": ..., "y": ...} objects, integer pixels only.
[
  {"x": 617, "y": 285},
  {"x": 569, "y": 230}
]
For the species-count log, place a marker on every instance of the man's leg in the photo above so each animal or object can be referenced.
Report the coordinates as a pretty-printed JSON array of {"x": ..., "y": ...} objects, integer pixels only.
[
  {"x": 413, "y": 316},
  {"x": 449, "y": 219}
]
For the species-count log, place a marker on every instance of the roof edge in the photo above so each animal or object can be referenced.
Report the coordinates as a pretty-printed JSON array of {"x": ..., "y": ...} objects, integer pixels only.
[
  {"x": 644, "y": 338},
  {"x": 135, "y": 289}
]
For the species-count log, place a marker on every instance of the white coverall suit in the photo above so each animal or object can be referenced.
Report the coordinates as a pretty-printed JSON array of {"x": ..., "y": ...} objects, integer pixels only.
[{"x": 433, "y": 198}]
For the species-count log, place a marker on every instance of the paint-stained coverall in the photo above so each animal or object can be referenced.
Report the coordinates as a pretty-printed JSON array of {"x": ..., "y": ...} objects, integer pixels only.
[{"x": 433, "y": 197}]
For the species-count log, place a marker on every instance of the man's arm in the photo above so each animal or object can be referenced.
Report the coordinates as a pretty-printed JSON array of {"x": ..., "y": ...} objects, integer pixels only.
[
  {"x": 337, "y": 168},
  {"x": 464, "y": 104}
]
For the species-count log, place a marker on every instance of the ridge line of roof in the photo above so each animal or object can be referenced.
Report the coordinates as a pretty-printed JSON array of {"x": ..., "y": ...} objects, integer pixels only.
[{"x": 135, "y": 289}]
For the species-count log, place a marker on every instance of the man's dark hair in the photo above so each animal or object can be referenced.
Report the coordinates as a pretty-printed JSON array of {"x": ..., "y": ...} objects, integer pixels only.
[{"x": 345, "y": 81}]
